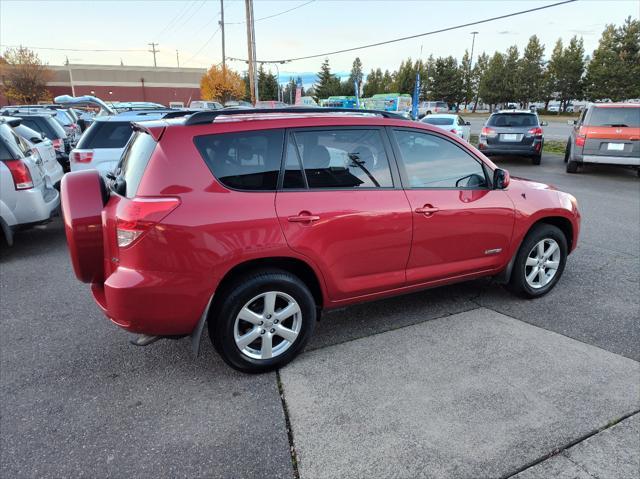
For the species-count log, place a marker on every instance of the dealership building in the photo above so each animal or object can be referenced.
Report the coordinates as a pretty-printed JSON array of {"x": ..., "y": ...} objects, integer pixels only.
[{"x": 126, "y": 83}]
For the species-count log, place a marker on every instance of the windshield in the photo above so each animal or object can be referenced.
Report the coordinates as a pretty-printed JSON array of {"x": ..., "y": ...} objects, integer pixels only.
[
  {"x": 612, "y": 116},
  {"x": 513, "y": 119},
  {"x": 438, "y": 121}
]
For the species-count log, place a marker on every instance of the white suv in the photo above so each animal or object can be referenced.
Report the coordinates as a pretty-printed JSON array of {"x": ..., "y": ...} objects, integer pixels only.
[{"x": 25, "y": 197}]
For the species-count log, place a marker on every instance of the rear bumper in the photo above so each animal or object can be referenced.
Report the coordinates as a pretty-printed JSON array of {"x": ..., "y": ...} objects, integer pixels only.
[
  {"x": 514, "y": 150},
  {"x": 35, "y": 206},
  {"x": 610, "y": 160},
  {"x": 152, "y": 302}
]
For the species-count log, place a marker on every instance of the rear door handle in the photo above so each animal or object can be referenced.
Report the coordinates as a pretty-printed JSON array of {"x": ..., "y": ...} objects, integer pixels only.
[
  {"x": 427, "y": 210},
  {"x": 303, "y": 217}
]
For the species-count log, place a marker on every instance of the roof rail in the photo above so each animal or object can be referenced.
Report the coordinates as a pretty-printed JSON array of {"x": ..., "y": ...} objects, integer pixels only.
[{"x": 203, "y": 117}]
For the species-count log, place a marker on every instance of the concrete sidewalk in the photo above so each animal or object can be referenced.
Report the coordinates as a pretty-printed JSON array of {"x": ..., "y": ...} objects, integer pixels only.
[{"x": 473, "y": 395}]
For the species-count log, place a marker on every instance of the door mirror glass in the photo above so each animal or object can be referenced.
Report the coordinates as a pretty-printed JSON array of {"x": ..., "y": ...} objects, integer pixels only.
[
  {"x": 501, "y": 179},
  {"x": 544, "y": 123}
]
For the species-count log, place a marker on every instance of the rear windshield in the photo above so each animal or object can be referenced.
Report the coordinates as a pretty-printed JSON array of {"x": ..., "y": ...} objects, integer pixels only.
[
  {"x": 47, "y": 126},
  {"x": 438, "y": 121},
  {"x": 513, "y": 119},
  {"x": 134, "y": 161},
  {"x": 64, "y": 118},
  {"x": 249, "y": 160},
  {"x": 611, "y": 116},
  {"x": 106, "y": 134}
]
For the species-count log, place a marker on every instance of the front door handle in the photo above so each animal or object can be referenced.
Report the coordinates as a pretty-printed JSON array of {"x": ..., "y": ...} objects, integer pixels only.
[
  {"x": 303, "y": 217},
  {"x": 427, "y": 210}
]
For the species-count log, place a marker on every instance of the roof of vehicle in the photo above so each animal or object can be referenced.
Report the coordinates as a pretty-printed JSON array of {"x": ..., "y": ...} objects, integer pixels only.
[
  {"x": 616, "y": 105},
  {"x": 529, "y": 112},
  {"x": 441, "y": 115},
  {"x": 143, "y": 115},
  {"x": 281, "y": 118},
  {"x": 44, "y": 112}
]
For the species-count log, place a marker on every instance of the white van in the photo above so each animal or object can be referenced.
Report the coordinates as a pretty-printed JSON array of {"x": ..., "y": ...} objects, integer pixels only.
[{"x": 204, "y": 105}]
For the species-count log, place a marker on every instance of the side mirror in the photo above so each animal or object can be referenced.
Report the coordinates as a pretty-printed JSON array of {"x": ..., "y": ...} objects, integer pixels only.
[
  {"x": 35, "y": 140},
  {"x": 467, "y": 123},
  {"x": 501, "y": 179},
  {"x": 544, "y": 123}
]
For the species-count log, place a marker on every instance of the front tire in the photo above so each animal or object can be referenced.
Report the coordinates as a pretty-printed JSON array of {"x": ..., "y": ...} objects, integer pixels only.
[
  {"x": 263, "y": 321},
  {"x": 540, "y": 261}
]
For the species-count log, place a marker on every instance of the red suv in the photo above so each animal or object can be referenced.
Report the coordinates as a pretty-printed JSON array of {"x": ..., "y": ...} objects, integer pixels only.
[{"x": 254, "y": 221}]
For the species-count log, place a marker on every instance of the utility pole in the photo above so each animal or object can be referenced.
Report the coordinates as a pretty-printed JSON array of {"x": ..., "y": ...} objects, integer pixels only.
[
  {"x": 251, "y": 44},
  {"x": 221, "y": 23},
  {"x": 473, "y": 43},
  {"x": 178, "y": 58},
  {"x": 154, "y": 51}
]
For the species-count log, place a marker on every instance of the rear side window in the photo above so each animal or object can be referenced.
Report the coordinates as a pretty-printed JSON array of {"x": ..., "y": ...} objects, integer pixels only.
[
  {"x": 106, "y": 134},
  {"x": 248, "y": 160},
  {"x": 512, "y": 120},
  {"x": 134, "y": 161},
  {"x": 41, "y": 126},
  {"x": 612, "y": 116},
  {"x": 338, "y": 159},
  {"x": 9, "y": 150}
]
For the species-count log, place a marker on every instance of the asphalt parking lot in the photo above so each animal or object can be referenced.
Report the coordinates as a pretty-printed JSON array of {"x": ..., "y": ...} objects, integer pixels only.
[{"x": 463, "y": 381}]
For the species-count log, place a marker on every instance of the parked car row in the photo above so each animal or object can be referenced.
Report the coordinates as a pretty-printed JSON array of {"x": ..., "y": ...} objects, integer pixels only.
[{"x": 29, "y": 173}]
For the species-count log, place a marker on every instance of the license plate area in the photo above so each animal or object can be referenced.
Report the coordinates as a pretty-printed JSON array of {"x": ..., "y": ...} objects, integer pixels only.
[
  {"x": 509, "y": 137},
  {"x": 615, "y": 146}
]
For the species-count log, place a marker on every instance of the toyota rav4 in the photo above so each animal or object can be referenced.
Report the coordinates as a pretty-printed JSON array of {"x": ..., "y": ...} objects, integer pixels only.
[{"x": 252, "y": 222}]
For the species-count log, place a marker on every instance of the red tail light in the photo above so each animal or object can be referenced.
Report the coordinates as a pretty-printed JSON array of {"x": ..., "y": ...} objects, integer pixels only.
[
  {"x": 488, "y": 132},
  {"x": 136, "y": 217},
  {"x": 537, "y": 131},
  {"x": 58, "y": 144},
  {"x": 581, "y": 137},
  {"x": 20, "y": 173},
  {"x": 81, "y": 156}
]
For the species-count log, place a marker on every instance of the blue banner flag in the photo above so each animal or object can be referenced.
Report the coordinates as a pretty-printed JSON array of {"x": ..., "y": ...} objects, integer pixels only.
[{"x": 416, "y": 94}]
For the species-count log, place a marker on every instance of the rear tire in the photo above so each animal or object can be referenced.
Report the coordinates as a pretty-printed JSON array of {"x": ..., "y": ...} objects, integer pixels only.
[
  {"x": 536, "y": 160},
  {"x": 567, "y": 151},
  {"x": 536, "y": 271},
  {"x": 250, "y": 323},
  {"x": 572, "y": 166}
]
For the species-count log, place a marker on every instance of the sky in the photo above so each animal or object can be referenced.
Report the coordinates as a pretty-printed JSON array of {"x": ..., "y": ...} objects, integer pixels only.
[{"x": 311, "y": 27}]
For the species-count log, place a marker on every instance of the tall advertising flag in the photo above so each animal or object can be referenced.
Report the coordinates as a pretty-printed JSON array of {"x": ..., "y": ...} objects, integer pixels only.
[
  {"x": 416, "y": 94},
  {"x": 299, "y": 91},
  {"x": 355, "y": 86}
]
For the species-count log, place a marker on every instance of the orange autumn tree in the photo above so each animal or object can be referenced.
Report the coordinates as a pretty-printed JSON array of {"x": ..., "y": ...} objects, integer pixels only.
[
  {"x": 24, "y": 76},
  {"x": 221, "y": 84}
]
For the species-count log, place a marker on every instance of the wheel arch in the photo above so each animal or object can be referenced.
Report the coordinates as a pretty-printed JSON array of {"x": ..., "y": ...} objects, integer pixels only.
[
  {"x": 295, "y": 266},
  {"x": 560, "y": 222}
]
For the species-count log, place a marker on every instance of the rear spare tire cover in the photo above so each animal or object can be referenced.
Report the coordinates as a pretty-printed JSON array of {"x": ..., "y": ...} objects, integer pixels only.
[{"x": 83, "y": 197}]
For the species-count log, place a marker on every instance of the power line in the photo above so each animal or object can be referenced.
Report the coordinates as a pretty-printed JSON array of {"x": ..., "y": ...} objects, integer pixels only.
[
  {"x": 274, "y": 15},
  {"x": 433, "y": 32},
  {"x": 174, "y": 20},
  {"x": 202, "y": 47},
  {"x": 186, "y": 19},
  {"x": 70, "y": 49}
]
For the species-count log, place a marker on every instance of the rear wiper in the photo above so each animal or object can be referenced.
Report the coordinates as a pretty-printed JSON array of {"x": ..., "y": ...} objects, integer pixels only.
[{"x": 619, "y": 125}]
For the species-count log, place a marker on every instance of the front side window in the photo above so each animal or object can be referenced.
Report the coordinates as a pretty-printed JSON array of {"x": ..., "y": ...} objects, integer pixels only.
[
  {"x": 248, "y": 160},
  {"x": 434, "y": 162},
  {"x": 345, "y": 158}
]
